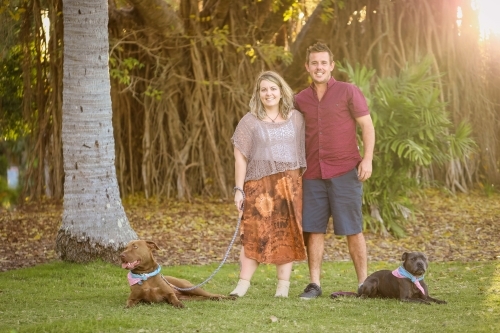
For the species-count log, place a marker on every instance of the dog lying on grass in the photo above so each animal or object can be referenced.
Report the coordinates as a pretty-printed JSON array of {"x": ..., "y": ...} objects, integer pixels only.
[
  {"x": 148, "y": 285},
  {"x": 405, "y": 283}
]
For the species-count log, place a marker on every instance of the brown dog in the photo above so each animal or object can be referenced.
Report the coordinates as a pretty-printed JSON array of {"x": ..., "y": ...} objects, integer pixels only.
[
  {"x": 405, "y": 283},
  {"x": 148, "y": 285}
]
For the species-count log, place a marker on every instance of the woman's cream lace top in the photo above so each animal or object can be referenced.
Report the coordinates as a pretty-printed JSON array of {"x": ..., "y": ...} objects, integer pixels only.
[{"x": 271, "y": 147}]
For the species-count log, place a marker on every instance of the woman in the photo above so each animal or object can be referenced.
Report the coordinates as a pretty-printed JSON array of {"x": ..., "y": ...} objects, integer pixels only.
[{"x": 269, "y": 153}]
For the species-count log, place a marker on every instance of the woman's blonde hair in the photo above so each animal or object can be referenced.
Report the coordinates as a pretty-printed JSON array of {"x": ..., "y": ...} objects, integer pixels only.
[{"x": 286, "y": 101}]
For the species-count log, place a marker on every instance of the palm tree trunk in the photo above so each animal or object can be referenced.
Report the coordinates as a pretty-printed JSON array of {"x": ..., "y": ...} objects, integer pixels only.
[{"x": 94, "y": 223}]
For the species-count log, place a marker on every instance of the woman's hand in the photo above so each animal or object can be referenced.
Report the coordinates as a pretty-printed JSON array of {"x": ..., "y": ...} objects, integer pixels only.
[{"x": 238, "y": 201}]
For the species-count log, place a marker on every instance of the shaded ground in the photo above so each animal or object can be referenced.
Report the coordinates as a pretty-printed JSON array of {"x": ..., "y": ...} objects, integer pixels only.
[{"x": 446, "y": 228}]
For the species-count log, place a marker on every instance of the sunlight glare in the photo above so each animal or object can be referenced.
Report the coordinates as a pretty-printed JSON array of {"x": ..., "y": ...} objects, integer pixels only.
[
  {"x": 46, "y": 24},
  {"x": 489, "y": 17}
]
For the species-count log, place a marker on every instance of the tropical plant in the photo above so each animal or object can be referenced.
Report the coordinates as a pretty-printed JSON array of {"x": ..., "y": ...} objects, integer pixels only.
[{"x": 413, "y": 134}]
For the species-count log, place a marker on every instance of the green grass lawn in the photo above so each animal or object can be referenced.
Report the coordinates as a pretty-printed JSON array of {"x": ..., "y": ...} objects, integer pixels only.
[{"x": 62, "y": 297}]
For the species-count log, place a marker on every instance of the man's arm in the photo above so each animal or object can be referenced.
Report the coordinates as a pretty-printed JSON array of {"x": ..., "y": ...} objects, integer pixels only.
[{"x": 368, "y": 136}]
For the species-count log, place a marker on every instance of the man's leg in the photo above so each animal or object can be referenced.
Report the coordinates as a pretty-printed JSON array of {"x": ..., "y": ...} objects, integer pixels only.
[
  {"x": 315, "y": 214},
  {"x": 315, "y": 245},
  {"x": 357, "y": 249}
]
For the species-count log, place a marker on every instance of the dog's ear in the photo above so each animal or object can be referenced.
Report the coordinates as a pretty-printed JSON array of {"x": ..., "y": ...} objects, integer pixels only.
[
  {"x": 403, "y": 257},
  {"x": 152, "y": 245}
]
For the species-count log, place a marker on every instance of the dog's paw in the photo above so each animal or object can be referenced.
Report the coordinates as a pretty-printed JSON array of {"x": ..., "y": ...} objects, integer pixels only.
[
  {"x": 231, "y": 298},
  {"x": 435, "y": 300},
  {"x": 222, "y": 297},
  {"x": 178, "y": 305}
]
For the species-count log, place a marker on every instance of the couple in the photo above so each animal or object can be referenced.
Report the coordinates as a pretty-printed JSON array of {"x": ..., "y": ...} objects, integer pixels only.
[{"x": 284, "y": 205}]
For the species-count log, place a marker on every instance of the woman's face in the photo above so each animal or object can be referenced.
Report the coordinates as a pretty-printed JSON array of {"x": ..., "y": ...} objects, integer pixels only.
[{"x": 270, "y": 94}]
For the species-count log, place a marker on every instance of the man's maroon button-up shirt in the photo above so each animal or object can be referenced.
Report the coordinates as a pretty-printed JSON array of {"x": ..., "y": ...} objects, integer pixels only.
[{"x": 331, "y": 145}]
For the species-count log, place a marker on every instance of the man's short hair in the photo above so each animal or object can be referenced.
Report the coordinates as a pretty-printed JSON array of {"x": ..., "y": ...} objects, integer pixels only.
[{"x": 318, "y": 47}]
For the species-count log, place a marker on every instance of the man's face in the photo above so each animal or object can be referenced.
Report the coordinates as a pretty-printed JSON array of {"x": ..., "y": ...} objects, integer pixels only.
[{"x": 319, "y": 67}]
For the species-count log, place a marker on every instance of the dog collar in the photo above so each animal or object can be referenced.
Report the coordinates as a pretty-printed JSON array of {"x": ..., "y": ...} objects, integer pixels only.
[
  {"x": 138, "y": 278},
  {"x": 402, "y": 273}
]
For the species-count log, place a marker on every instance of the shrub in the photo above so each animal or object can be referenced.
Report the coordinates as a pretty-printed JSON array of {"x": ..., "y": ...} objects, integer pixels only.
[{"x": 413, "y": 132}]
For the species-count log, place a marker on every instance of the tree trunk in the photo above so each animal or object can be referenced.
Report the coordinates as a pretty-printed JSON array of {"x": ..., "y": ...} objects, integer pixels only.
[
  {"x": 315, "y": 30},
  {"x": 94, "y": 223},
  {"x": 159, "y": 15}
]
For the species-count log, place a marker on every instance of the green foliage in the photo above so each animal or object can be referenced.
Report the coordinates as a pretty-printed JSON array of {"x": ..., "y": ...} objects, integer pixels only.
[
  {"x": 272, "y": 53},
  {"x": 153, "y": 93},
  {"x": 11, "y": 95},
  {"x": 8, "y": 196},
  {"x": 249, "y": 52},
  {"x": 360, "y": 76},
  {"x": 293, "y": 12},
  {"x": 413, "y": 132},
  {"x": 218, "y": 37},
  {"x": 268, "y": 52},
  {"x": 461, "y": 143},
  {"x": 328, "y": 9},
  {"x": 91, "y": 298},
  {"x": 121, "y": 70},
  {"x": 13, "y": 127},
  {"x": 4, "y": 164},
  {"x": 488, "y": 189}
]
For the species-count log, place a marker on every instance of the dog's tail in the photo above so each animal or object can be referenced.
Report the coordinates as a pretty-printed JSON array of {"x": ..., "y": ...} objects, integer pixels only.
[{"x": 338, "y": 294}]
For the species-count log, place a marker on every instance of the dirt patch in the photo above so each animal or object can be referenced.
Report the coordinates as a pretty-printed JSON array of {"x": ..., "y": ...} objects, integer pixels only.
[{"x": 446, "y": 228}]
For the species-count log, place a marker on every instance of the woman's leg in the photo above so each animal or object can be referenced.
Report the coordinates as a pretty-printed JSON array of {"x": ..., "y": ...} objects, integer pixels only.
[
  {"x": 283, "y": 271},
  {"x": 248, "y": 267}
]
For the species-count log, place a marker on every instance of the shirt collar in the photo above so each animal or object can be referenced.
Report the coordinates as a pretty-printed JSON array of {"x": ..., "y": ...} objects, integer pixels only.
[{"x": 330, "y": 83}]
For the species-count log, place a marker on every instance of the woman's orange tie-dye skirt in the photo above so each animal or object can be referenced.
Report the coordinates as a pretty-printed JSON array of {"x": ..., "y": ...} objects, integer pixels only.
[{"x": 271, "y": 226}]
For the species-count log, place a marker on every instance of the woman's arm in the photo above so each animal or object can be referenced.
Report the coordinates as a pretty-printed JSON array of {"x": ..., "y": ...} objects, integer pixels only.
[{"x": 240, "y": 171}]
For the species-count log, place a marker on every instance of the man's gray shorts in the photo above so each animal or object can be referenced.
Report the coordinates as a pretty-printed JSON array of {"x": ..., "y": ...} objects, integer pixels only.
[{"x": 339, "y": 197}]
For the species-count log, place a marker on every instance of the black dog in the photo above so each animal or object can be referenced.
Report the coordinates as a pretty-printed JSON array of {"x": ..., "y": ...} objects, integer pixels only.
[{"x": 405, "y": 283}]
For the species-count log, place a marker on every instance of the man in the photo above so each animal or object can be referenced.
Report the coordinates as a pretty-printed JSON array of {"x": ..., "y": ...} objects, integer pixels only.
[{"x": 332, "y": 183}]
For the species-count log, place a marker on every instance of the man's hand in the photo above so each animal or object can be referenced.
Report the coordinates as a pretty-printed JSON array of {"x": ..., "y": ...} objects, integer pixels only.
[{"x": 364, "y": 170}]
